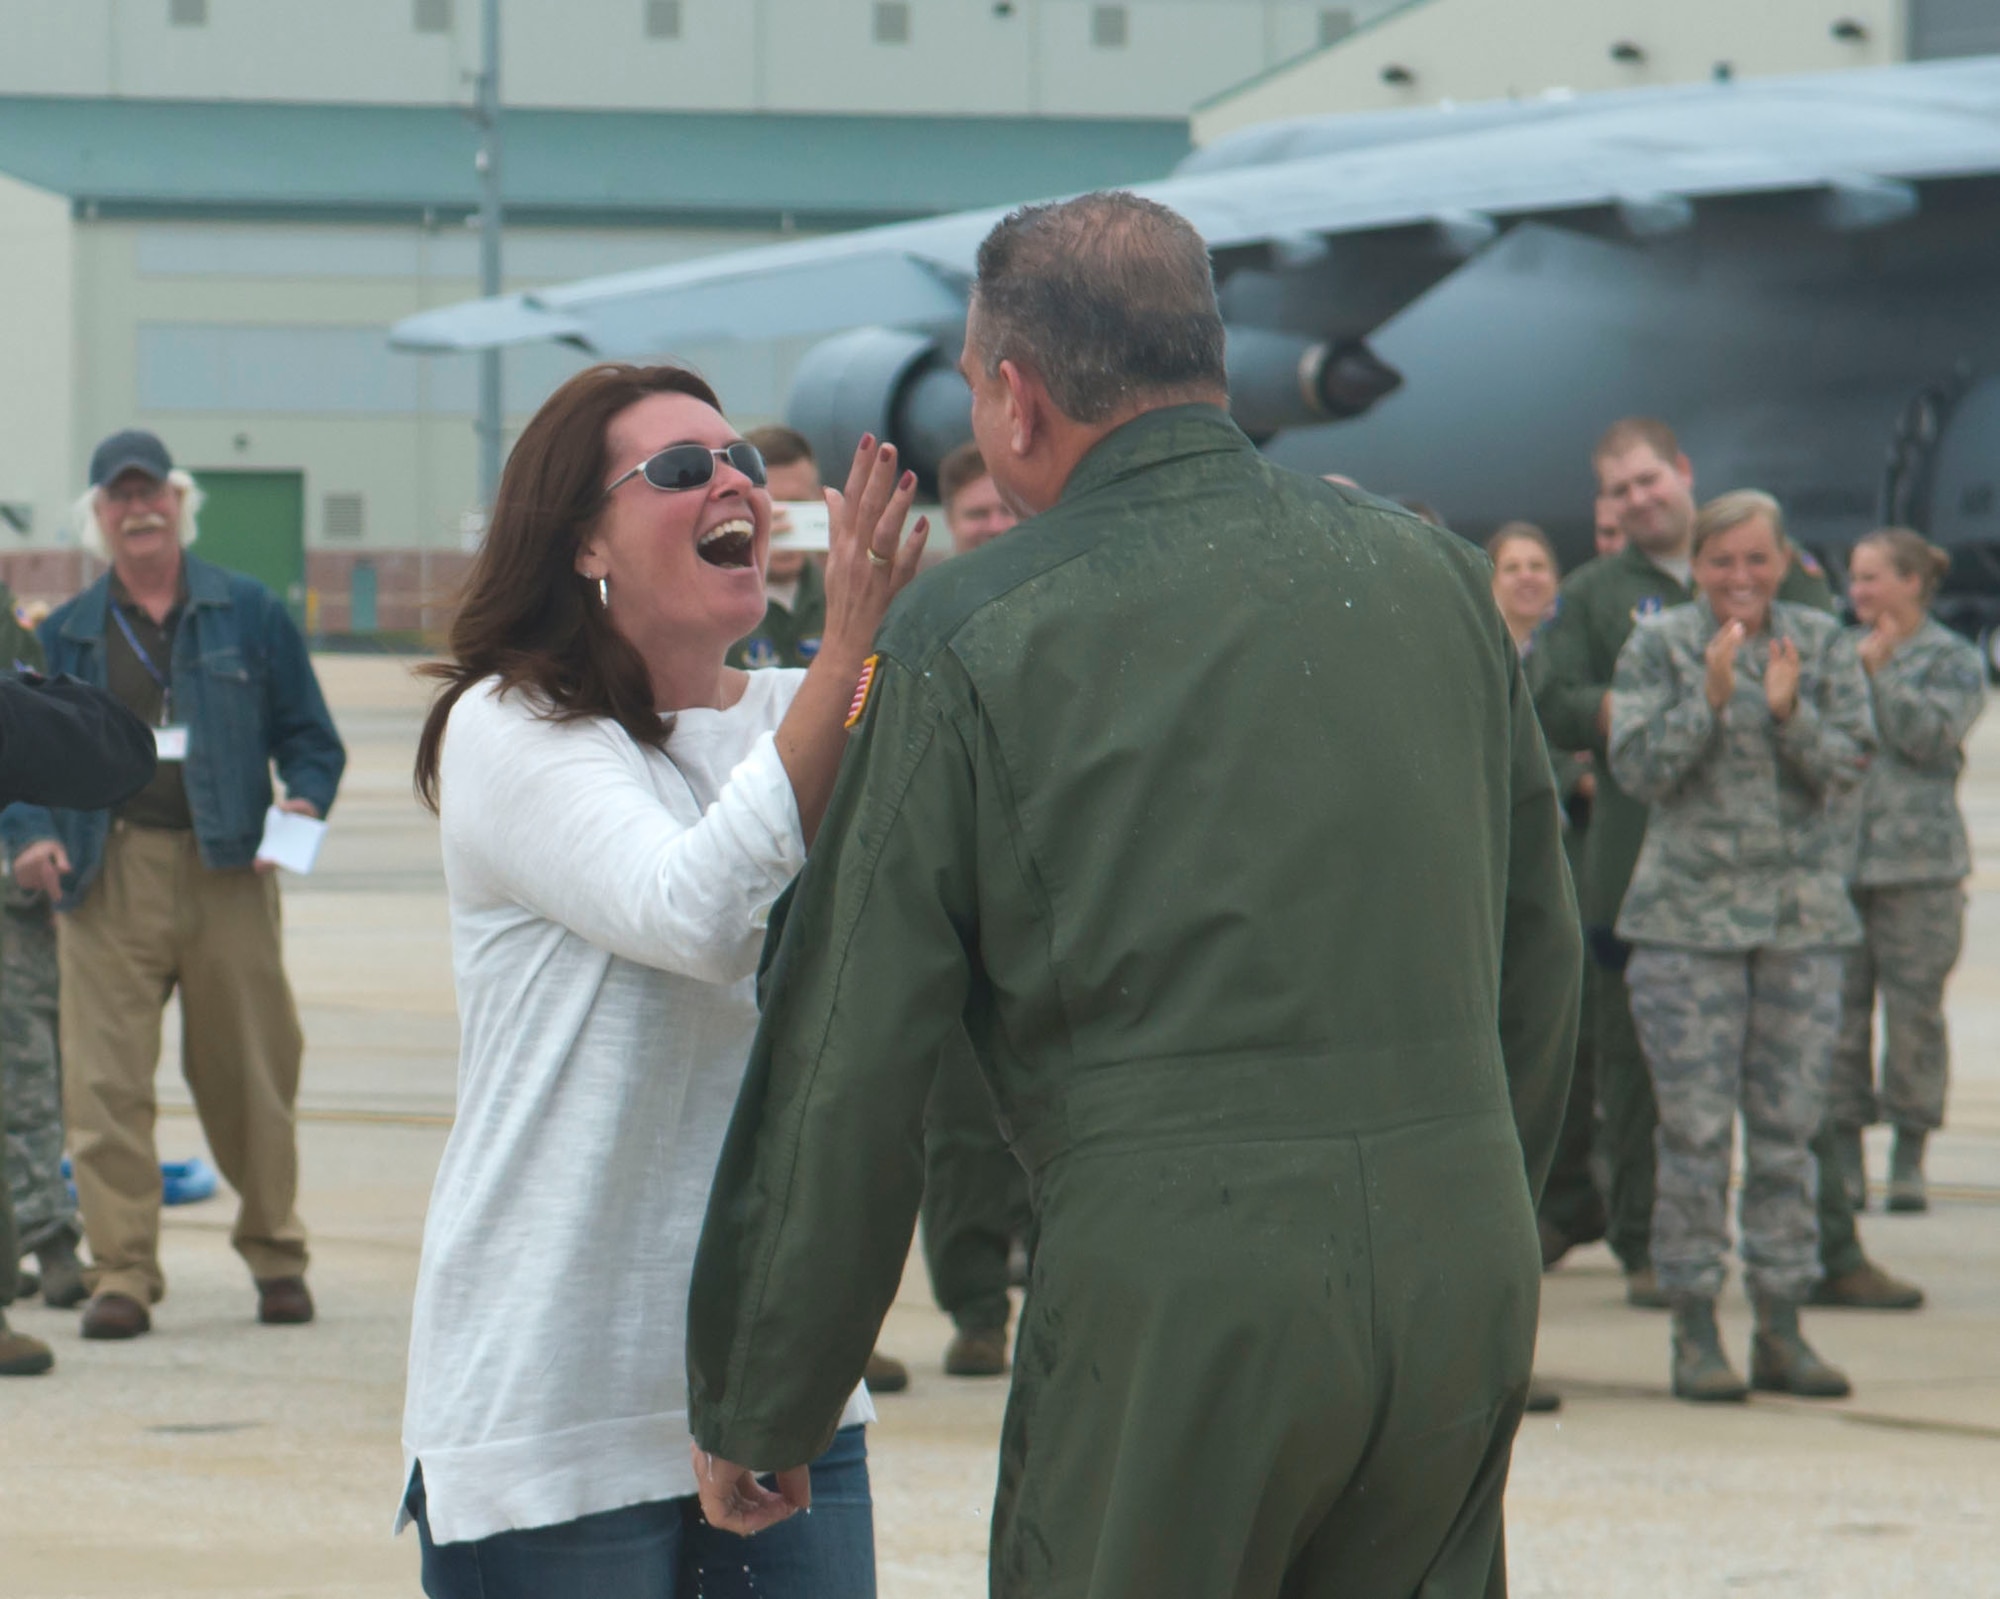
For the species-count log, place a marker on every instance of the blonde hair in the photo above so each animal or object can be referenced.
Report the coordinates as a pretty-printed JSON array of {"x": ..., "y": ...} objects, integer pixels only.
[
  {"x": 1727, "y": 512},
  {"x": 1912, "y": 555},
  {"x": 83, "y": 514}
]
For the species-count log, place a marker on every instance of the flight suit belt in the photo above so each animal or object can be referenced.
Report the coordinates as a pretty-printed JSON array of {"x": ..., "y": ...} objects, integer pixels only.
[{"x": 1249, "y": 1099}]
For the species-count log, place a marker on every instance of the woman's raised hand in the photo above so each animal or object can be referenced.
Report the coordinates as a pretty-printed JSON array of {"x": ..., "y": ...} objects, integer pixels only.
[
  {"x": 1720, "y": 682},
  {"x": 1781, "y": 679},
  {"x": 869, "y": 559}
]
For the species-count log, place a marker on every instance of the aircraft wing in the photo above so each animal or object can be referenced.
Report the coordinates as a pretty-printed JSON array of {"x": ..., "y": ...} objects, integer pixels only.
[{"x": 1367, "y": 217}]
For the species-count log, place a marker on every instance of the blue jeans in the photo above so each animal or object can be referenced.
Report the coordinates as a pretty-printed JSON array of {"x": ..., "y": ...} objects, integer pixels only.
[{"x": 664, "y": 1550}]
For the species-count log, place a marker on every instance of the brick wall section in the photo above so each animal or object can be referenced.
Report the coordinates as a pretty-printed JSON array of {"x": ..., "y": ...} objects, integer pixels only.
[{"x": 415, "y": 590}]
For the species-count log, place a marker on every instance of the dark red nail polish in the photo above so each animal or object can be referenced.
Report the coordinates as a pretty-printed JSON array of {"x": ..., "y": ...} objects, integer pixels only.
[{"x": 909, "y": 480}]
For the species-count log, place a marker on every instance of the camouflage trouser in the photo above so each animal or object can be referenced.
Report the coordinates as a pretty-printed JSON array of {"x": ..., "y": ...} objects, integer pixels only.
[
  {"x": 32, "y": 1068},
  {"x": 1913, "y": 933},
  {"x": 1724, "y": 1033}
]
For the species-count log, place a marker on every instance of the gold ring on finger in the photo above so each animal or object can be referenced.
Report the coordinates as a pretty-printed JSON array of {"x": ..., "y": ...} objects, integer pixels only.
[{"x": 877, "y": 560}]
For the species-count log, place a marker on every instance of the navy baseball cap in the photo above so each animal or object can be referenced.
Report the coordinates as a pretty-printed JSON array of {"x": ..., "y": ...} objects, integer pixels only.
[{"x": 134, "y": 450}]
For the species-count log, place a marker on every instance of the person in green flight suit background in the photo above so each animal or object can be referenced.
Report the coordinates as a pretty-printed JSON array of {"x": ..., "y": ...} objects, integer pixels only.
[
  {"x": 1286, "y": 1076},
  {"x": 1646, "y": 483},
  {"x": 795, "y": 608}
]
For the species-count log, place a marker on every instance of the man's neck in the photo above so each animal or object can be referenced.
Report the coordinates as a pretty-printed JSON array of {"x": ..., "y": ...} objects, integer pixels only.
[{"x": 154, "y": 585}]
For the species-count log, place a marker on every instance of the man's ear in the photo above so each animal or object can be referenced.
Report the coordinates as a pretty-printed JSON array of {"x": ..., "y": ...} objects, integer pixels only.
[
  {"x": 1685, "y": 469},
  {"x": 1025, "y": 400}
]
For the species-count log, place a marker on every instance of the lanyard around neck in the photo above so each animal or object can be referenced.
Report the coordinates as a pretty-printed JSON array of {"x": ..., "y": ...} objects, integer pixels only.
[{"x": 159, "y": 678}]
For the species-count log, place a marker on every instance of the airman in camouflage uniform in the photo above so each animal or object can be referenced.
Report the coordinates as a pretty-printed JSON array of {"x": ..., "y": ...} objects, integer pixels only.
[
  {"x": 1737, "y": 912},
  {"x": 1913, "y": 858},
  {"x": 30, "y": 1065}
]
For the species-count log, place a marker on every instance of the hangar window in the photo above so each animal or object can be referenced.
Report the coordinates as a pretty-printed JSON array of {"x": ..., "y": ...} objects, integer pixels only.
[
  {"x": 187, "y": 13},
  {"x": 432, "y": 16},
  {"x": 1108, "y": 27},
  {"x": 1335, "y": 24},
  {"x": 341, "y": 516},
  {"x": 1943, "y": 28},
  {"x": 892, "y": 22},
  {"x": 663, "y": 19}
]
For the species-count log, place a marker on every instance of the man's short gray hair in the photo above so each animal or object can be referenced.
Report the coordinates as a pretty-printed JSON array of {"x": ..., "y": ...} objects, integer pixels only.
[{"x": 1108, "y": 299}]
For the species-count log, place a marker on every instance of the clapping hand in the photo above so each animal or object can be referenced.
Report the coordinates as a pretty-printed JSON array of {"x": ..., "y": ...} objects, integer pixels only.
[
  {"x": 1720, "y": 682},
  {"x": 1881, "y": 643},
  {"x": 1781, "y": 679}
]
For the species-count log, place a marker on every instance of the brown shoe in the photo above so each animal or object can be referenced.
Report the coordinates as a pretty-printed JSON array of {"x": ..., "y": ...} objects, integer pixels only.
[
  {"x": 1643, "y": 1290},
  {"x": 979, "y": 1352},
  {"x": 22, "y": 1356},
  {"x": 886, "y": 1374},
  {"x": 1542, "y": 1399},
  {"x": 1867, "y": 1287},
  {"x": 115, "y": 1316},
  {"x": 283, "y": 1301}
]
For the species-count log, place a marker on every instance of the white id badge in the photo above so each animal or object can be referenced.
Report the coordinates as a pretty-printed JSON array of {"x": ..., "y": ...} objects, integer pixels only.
[{"x": 170, "y": 743}]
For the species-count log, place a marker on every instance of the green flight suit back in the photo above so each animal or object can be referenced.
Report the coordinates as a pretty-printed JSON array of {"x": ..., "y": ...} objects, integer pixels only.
[{"x": 1214, "y": 802}]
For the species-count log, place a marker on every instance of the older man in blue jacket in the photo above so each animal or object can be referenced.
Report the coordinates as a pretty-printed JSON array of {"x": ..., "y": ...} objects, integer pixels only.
[{"x": 163, "y": 892}]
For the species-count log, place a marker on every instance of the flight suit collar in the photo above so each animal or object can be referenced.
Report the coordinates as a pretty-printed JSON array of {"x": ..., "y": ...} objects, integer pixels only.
[
  {"x": 1152, "y": 438},
  {"x": 1638, "y": 561}
]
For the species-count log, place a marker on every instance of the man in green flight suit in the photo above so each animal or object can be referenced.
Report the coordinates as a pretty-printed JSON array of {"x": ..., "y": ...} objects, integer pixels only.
[
  {"x": 795, "y": 594},
  {"x": 1212, "y": 800},
  {"x": 1646, "y": 484}
]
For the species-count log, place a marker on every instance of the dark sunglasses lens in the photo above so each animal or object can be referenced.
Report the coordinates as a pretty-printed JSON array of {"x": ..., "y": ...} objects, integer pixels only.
[
  {"x": 681, "y": 466},
  {"x": 748, "y": 460}
]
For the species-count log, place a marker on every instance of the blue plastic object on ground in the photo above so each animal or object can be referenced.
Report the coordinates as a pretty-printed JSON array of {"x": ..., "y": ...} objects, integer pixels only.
[{"x": 182, "y": 1182}]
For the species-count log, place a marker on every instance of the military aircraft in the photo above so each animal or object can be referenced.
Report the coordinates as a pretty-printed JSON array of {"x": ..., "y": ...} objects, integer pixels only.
[{"x": 1801, "y": 274}]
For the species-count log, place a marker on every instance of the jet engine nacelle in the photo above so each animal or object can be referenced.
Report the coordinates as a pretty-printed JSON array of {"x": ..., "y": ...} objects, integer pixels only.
[
  {"x": 904, "y": 386},
  {"x": 898, "y": 385}
]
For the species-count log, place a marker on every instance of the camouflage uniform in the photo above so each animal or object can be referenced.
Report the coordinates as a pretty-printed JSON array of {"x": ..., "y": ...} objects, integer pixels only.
[
  {"x": 30, "y": 1069},
  {"x": 1913, "y": 858},
  {"x": 1737, "y": 909}
]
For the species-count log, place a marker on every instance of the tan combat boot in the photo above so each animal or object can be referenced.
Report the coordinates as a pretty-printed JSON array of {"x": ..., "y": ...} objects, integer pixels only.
[
  {"x": 1782, "y": 1362},
  {"x": 1702, "y": 1372}
]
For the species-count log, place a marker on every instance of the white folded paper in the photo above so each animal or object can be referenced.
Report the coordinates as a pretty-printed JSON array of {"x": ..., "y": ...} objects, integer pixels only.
[{"x": 290, "y": 840}]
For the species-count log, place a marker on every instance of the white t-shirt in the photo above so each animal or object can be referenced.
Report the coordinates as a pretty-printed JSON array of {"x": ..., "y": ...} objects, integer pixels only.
[{"x": 608, "y": 905}]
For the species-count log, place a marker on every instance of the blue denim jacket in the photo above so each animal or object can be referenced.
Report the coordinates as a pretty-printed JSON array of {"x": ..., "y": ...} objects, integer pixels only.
[{"x": 243, "y": 685}]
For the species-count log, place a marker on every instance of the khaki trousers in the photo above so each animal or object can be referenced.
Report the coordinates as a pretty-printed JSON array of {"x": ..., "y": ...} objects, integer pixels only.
[{"x": 157, "y": 920}]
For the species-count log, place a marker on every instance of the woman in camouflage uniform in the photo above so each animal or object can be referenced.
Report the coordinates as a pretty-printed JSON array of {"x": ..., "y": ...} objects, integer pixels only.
[
  {"x": 1739, "y": 719},
  {"x": 1928, "y": 686}
]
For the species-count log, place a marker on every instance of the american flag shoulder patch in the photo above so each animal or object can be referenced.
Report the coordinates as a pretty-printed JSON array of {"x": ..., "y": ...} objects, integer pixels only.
[{"x": 862, "y": 690}]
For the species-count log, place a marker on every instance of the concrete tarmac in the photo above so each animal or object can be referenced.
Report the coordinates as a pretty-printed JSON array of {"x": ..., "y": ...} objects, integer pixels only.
[{"x": 216, "y": 1457}]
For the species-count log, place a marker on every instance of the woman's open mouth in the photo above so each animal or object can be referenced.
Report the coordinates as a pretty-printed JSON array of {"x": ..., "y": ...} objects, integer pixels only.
[{"x": 728, "y": 544}]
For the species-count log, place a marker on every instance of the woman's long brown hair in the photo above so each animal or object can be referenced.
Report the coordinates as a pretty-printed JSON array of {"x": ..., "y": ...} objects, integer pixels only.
[{"x": 525, "y": 616}]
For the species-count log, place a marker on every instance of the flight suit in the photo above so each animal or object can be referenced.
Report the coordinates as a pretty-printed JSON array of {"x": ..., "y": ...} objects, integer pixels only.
[
  {"x": 1572, "y": 1206},
  {"x": 1914, "y": 855},
  {"x": 1213, "y": 803},
  {"x": 788, "y": 636},
  {"x": 975, "y": 1195},
  {"x": 1571, "y": 667}
]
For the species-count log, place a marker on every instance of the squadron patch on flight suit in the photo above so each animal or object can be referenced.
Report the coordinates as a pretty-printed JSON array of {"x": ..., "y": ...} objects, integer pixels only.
[
  {"x": 759, "y": 655},
  {"x": 1651, "y": 605},
  {"x": 862, "y": 690}
]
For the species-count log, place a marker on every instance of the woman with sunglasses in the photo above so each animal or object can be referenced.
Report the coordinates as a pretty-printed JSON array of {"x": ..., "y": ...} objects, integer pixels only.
[{"x": 618, "y": 812}]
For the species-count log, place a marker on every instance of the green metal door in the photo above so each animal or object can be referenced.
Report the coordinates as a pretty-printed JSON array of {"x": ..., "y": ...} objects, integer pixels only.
[{"x": 255, "y": 523}]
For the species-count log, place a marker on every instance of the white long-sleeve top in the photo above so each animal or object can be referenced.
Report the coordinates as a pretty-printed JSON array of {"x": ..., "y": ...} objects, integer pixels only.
[{"x": 608, "y": 904}]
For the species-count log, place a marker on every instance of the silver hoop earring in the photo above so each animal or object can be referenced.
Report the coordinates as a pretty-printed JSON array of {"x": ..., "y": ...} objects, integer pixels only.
[{"x": 604, "y": 592}]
